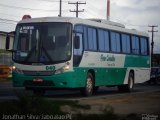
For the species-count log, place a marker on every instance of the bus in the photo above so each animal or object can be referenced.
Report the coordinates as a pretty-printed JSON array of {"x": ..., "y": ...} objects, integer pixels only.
[{"x": 74, "y": 53}]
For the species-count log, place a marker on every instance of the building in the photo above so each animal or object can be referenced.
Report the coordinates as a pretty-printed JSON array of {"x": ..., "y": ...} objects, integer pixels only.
[{"x": 3, "y": 36}]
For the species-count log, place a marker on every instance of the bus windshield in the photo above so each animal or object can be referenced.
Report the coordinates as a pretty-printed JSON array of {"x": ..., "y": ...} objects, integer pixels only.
[{"x": 45, "y": 43}]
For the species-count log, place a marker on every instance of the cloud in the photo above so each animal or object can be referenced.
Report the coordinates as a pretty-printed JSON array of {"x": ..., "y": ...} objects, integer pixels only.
[{"x": 136, "y": 14}]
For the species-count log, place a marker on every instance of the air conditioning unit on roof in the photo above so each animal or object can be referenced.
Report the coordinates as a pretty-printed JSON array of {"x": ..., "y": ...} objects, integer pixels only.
[{"x": 108, "y": 22}]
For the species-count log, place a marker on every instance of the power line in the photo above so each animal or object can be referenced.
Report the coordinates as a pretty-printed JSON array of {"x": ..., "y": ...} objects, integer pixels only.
[
  {"x": 77, "y": 4},
  {"x": 9, "y": 14},
  {"x": 152, "y": 43},
  {"x": 8, "y": 20},
  {"x": 52, "y": 1},
  {"x": 66, "y": 1},
  {"x": 15, "y": 7}
]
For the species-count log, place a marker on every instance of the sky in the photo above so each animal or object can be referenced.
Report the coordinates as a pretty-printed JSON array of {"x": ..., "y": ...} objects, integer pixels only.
[{"x": 134, "y": 14}]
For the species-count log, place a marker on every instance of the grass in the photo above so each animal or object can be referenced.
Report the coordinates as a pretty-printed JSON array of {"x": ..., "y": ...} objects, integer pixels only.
[
  {"x": 34, "y": 105},
  {"x": 40, "y": 106},
  {"x": 4, "y": 51},
  {"x": 5, "y": 79}
]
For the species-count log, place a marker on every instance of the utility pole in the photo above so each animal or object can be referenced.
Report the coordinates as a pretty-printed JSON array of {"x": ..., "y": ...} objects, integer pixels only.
[
  {"x": 108, "y": 10},
  {"x": 152, "y": 42},
  {"x": 60, "y": 8},
  {"x": 77, "y": 4}
]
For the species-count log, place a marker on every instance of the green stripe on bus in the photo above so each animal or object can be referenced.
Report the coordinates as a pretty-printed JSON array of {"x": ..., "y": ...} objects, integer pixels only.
[
  {"x": 137, "y": 61},
  {"x": 103, "y": 76}
]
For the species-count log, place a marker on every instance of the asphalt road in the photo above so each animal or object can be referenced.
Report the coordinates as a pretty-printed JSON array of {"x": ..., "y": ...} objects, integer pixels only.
[{"x": 7, "y": 91}]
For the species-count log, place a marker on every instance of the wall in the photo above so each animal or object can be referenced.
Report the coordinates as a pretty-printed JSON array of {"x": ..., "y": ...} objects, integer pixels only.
[{"x": 3, "y": 40}]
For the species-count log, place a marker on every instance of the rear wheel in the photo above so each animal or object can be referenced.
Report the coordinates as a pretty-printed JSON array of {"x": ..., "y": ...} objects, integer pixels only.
[
  {"x": 128, "y": 87},
  {"x": 88, "y": 90},
  {"x": 130, "y": 82}
]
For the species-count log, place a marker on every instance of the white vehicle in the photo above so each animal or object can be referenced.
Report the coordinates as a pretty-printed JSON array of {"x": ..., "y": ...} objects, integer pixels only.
[{"x": 63, "y": 52}]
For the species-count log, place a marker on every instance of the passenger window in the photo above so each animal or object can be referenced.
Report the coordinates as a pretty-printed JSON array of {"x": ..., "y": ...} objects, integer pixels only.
[
  {"x": 92, "y": 39},
  {"x": 125, "y": 43},
  {"x": 144, "y": 46},
  {"x": 135, "y": 45},
  {"x": 115, "y": 42},
  {"x": 103, "y": 40},
  {"x": 85, "y": 39}
]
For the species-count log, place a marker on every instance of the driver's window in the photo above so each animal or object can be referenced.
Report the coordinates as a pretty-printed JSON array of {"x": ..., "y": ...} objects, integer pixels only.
[
  {"x": 79, "y": 33},
  {"x": 79, "y": 51}
]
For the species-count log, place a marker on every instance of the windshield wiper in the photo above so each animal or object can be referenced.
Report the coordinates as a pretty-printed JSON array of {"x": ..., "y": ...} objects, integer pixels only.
[
  {"x": 45, "y": 51},
  {"x": 30, "y": 53},
  {"x": 37, "y": 41}
]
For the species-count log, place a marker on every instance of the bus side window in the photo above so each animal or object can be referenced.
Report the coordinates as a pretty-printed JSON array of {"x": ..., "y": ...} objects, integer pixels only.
[
  {"x": 103, "y": 40},
  {"x": 115, "y": 42},
  {"x": 125, "y": 43},
  {"x": 85, "y": 38},
  {"x": 144, "y": 47},
  {"x": 92, "y": 39},
  {"x": 135, "y": 45}
]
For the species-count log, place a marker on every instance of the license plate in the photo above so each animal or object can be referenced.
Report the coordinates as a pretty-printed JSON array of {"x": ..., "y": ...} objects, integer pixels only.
[{"x": 37, "y": 80}]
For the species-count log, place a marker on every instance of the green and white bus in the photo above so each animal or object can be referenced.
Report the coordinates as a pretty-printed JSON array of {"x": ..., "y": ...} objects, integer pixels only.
[{"x": 74, "y": 53}]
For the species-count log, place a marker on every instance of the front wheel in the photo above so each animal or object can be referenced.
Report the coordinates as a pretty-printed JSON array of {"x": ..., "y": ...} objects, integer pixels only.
[{"x": 88, "y": 90}]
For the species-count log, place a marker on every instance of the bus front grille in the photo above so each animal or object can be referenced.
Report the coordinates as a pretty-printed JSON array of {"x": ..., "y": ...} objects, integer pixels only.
[
  {"x": 39, "y": 73},
  {"x": 29, "y": 83}
]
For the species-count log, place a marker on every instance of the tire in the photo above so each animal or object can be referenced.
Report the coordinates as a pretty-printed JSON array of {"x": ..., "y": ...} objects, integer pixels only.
[
  {"x": 88, "y": 90},
  {"x": 95, "y": 89},
  {"x": 129, "y": 87},
  {"x": 121, "y": 88},
  {"x": 155, "y": 81}
]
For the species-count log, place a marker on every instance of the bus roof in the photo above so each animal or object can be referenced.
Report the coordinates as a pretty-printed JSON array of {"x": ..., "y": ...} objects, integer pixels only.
[{"x": 90, "y": 22}]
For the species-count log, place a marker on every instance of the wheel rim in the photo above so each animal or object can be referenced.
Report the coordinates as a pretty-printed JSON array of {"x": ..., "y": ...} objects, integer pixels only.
[{"x": 89, "y": 85}]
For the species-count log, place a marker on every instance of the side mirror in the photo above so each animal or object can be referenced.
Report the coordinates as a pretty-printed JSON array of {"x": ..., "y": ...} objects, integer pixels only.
[
  {"x": 7, "y": 42},
  {"x": 76, "y": 42}
]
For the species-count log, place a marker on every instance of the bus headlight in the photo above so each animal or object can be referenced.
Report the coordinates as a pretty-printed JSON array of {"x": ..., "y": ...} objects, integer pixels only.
[
  {"x": 66, "y": 67},
  {"x": 16, "y": 70},
  {"x": 63, "y": 69}
]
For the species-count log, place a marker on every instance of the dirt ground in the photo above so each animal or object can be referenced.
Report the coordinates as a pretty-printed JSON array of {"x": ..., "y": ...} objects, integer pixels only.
[{"x": 139, "y": 103}]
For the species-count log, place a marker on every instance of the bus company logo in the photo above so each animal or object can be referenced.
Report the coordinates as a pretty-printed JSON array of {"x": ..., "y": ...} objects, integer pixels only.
[{"x": 107, "y": 58}]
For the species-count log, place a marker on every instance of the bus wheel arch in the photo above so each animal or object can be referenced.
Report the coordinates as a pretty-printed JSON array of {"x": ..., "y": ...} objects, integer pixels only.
[
  {"x": 130, "y": 83},
  {"x": 92, "y": 72}
]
